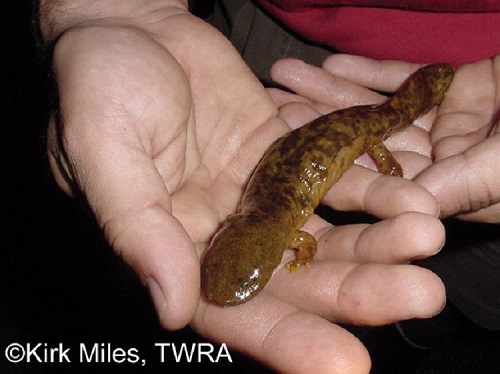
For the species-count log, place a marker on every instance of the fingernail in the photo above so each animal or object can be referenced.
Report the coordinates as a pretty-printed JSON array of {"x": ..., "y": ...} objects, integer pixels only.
[
  {"x": 438, "y": 213},
  {"x": 157, "y": 296}
]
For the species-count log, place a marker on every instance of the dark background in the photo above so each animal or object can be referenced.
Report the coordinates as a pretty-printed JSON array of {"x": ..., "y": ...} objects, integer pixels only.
[{"x": 59, "y": 281}]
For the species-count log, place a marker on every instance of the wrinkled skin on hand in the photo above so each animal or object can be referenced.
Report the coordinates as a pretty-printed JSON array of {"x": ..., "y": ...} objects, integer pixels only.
[
  {"x": 158, "y": 129},
  {"x": 458, "y": 165},
  {"x": 293, "y": 176}
]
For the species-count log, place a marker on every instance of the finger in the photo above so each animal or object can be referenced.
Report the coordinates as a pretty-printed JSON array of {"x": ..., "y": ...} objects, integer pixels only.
[
  {"x": 297, "y": 114},
  {"x": 131, "y": 204},
  {"x": 370, "y": 294},
  {"x": 406, "y": 237},
  {"x": 279, "y": 335},
  {"x": 400, "y": 239},
  {"x": 385, "y": 76},
  {"x": 383, "y": 196},
  {"x": 468, "y": 111},
  {"x": 281, "y": 97},
  {"x": 412, "y": 139},
  {"x": 140, "y": 237},
  {"x": 320, "y": 86},
  {"x": 472, "y": 92},
  {"x": 490, "y": 214},
  {"x": 467, "y": 182}
]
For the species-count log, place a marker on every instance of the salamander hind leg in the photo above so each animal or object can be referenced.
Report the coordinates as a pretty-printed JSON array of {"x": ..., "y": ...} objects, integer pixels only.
[
  {"x": 385, "y": 161},
  {"x": 305, "y": 245}
]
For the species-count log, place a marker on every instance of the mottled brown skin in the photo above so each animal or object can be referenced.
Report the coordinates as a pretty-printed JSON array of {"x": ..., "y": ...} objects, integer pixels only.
[{"x": 292, "y": 178}]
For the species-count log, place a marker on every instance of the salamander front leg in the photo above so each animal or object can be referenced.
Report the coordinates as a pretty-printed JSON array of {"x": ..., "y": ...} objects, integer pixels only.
[
  {"x": 385, "y": 161},
  {"x": 305, "y": 245}
]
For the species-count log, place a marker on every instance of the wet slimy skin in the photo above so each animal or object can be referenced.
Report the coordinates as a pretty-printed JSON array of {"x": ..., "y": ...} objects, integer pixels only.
[{"x": 291, "y": 179}]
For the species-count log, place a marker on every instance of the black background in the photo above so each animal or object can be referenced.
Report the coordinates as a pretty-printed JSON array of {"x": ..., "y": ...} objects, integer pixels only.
[{"x": 59, "y": 280}]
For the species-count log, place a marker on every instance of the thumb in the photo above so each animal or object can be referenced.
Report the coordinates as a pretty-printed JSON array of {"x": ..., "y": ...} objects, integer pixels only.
[
  {"x": 160, "y": 251},
  {"x": 466, "y": 183},
  {"x": 110, "y": 105},
  {"x": 132, "y": 205}
]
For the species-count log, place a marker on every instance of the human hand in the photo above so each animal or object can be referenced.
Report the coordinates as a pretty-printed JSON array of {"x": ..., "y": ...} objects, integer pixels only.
[
  {"x": 462, "y": 145},
  {"x": 159, "y": 126},
  {"x": 152, "y": 117},
  {"x": 466, "y": 145}
]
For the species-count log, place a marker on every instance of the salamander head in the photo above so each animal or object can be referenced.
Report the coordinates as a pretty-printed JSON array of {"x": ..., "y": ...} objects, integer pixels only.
[
  {"x": 227, "y": 283},
  {"x": 439, "y": 77},
  {"x": 421, "y": 92},
  {"x": 239, "y": 263}
]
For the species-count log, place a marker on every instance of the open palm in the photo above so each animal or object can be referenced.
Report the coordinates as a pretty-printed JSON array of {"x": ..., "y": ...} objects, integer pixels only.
[{"x": 159, "y": 128}]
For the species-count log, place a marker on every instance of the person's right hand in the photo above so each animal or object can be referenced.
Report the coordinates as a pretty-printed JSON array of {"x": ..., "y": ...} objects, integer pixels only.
[
  {"x": 466, "y": 145},
  {"x": 159, "y": 126},
  {"x": 461, "y": 166}
]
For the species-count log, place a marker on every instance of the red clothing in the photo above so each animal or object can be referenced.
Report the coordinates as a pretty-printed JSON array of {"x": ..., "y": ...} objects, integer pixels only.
[{"x": 425, "y": 31}]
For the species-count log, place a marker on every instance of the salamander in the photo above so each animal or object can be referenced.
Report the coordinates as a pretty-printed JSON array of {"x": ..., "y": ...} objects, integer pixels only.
[{"x": 291, "y": 179}]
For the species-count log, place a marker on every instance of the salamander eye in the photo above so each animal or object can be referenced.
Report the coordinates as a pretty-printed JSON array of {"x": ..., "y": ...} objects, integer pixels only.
[{"x": 248, "y": 285}]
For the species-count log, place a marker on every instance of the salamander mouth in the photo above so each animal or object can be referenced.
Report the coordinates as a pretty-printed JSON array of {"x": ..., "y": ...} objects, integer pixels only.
[
  {"x": 244, "y": 293},
  {"x": 230, "y": 290},
  {"x": 248, "y": 286}
]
